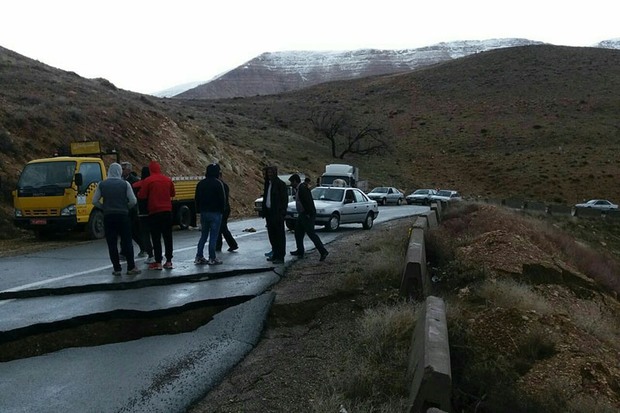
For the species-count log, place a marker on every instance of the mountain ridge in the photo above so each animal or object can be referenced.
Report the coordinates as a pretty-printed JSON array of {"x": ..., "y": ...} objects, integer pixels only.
[{"x": 279, "y": 72}]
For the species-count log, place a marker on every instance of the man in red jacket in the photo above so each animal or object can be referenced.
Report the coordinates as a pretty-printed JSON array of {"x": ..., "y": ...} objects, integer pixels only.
[{"x": 158, "y": 191}]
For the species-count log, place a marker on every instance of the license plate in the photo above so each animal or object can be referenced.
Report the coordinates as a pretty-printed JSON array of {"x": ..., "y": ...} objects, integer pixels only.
[{"x": 38, "y": 221}]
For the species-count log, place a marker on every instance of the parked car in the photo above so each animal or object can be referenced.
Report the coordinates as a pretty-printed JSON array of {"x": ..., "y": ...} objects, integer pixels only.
[
  {"x": 336, "y": 205},
  {"x": 601, "y": 204},
  {"x": 446, "y": 195},
  {"x": 386, "y": 195},
  {"x": 420, "y": 196}
]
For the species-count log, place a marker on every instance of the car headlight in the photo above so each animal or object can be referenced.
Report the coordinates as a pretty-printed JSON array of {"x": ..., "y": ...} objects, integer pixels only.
[
  {"x": 19, "y": 213},
  {"x": 68, "y": 211},
  {"x": 320, "y": 211}
]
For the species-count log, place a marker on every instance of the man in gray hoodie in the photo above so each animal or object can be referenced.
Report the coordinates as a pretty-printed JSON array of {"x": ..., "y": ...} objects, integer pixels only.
[{"x": 114, "y": 196}]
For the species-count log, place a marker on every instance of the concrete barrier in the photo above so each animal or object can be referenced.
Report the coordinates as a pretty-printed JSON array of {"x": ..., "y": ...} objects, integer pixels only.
[
  {"x": 429, "y": 369},
  {"x": 436, "y": 206},
  {"x": 535, "y": 206},
  {"x": 586, "y": 212},
  {"x": 431, "y": 217},
  {"x": 516, "y": 203},
  {"x": 614, "y": 214},
  {"x": 421, "y": 221},
  {"x": 558, "y": 209},
  {"x": 415, "y": 282}
]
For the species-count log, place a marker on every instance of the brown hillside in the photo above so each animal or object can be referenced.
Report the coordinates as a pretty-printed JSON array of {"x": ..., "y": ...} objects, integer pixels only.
[{"x": 538, "y": 122}]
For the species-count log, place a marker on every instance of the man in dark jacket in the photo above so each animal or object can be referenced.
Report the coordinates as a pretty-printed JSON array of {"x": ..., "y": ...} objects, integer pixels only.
[
  {"x": 306, "y": 215},
  {"x": 224, "y": 231},
  {"x": 275, "y": 201},
  {"x": 210, "y": 198},
  {"x": 130, "y": 176}
]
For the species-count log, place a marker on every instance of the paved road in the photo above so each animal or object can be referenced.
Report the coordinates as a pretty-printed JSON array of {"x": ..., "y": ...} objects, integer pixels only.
[{"x": 49, "y": 289}]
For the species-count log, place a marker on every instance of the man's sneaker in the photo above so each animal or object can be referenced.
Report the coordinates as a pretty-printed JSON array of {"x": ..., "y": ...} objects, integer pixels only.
[
  {"x": 269, "y": 254},
  {"x": 134, "y": 271},
  {"x": 231, "y": 249},
  {"x": 149, "y": 260},
  {"x": 155, "y": 266},
  {"x": 142, "y": 254},
  {"x": 297, "y": 253},
  {"x": 323, "y": 256},
  {"x": 201, "y": 261},
  {"x": 214, "y": 261},
  {"x": 116, "y": 273},
  {"x": 168, "y": 265}
]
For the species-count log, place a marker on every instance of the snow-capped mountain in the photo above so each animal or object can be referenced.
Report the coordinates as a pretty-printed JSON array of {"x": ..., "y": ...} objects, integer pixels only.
[
  {"x": 609, "y": 44},
  {"x": 272, "y": 73},
  {"x": 175, "y": 90}
]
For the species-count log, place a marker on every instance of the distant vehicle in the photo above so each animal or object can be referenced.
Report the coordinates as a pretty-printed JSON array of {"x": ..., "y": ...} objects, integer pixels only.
[
  {"x": 386, "y": 195},
  {"x": 337, "y": 174},
  {"x": 601, "y": 204},
  {"x": 446, "y": 195},
  {"x": 336, "y": 205},
  {"x": 421, "y": 196}
]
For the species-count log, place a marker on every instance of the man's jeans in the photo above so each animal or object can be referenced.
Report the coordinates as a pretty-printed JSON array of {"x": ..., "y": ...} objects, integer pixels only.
[{"x": 210, "y": 229}]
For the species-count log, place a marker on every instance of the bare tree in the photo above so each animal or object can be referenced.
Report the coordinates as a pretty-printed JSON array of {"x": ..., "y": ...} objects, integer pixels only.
[
  {"x": 365, "y": 141},
  {"x": 333, "y": 124},
  {"x": 328, "y": 124}
]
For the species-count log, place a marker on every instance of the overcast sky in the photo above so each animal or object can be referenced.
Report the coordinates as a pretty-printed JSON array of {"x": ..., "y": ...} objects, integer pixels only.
[{"x": 150, "y": 45}]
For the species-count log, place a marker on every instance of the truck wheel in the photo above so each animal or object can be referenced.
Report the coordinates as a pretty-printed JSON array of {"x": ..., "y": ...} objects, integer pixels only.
[
  {"x": 184, "y": 217},
  {"x": 334, "y": 222},
  {"x": 95, "y": 225},
  {"x": 369, "y": 221}
]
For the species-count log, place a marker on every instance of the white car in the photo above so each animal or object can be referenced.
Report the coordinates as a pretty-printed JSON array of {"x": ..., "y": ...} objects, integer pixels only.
[
  {"x": 420, "y": 196},
  {"x": 386, "y": 195},
  {"x": 336, "y": 205},
  {"x": 446, "y": 195},
  {"x": 601, "y": 204}
]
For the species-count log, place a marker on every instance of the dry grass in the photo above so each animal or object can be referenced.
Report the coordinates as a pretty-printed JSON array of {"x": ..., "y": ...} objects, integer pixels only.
[
  {"x": 512, "y": 341},
  {"x": 509, "y": 293}
]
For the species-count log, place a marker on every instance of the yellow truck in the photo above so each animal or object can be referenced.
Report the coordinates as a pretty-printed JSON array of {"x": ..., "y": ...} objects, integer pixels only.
[{"x": 55, "y": 194}]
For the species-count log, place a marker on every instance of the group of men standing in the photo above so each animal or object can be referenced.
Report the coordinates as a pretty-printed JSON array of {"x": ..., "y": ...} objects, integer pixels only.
[
  {"x": 140, "y": 210},
  {"x": 275, "y": 202}
]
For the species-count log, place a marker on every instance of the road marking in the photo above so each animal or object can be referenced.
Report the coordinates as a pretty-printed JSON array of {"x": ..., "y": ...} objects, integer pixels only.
[{"x": 66, "y": 276}]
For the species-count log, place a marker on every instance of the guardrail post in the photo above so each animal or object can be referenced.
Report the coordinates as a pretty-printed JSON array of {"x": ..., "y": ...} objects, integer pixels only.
[
  {"x": 415, "y": 282},
  {"x": 429, "y": 369},
  {"x": 436, "y": 206}
]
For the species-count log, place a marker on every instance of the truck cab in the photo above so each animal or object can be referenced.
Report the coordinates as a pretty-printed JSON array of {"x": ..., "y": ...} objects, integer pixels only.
[{"x": 55, "y": 194}]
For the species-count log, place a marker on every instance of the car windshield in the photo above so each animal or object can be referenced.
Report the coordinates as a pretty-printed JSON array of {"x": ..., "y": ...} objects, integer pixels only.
[
  {"x": 380, "y": 190},
  {"x": 444, "y": 193},
  {"x": 327, "y": 194},
  {"x": 46, "y": 174},
  {"x": 421, "y": 192}
]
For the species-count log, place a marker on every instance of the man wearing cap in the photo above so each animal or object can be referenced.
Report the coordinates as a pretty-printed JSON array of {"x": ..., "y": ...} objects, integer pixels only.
[{"x": 306, "y": 215}]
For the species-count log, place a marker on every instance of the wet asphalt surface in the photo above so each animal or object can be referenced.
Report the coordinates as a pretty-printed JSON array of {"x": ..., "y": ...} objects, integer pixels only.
[{"x": 165, "y": 373}]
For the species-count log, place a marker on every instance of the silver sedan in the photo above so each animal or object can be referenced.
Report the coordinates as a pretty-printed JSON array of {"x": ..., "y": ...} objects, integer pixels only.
[
  {"x": 386, "y": 195},
  {"x": 336, "y": 205}
]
